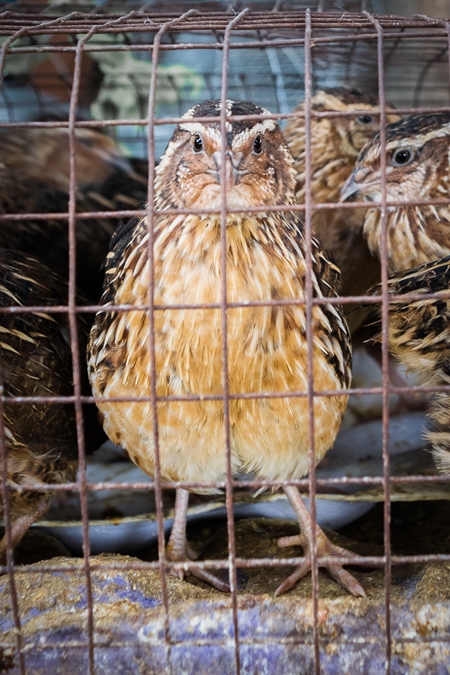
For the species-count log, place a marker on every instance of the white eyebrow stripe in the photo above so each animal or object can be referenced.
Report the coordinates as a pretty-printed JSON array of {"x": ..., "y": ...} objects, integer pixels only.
[
  {"x": 198, "y": 128},
  {"x": 419, "y": 139},
  {"x": 258, "y": 128}
]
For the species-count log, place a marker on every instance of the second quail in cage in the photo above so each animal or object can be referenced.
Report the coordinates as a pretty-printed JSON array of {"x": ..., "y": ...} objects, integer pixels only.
[
  {"x": 419, "y": 336},
  {"x": 417, "y": 168},
  {"x": 335, "y": 145},
  {"x": 266, "y": 345},
  {"x": 36, "y": 360},
  {"x": 35, "y": 178},
  {"x": 43, "y": 154}
]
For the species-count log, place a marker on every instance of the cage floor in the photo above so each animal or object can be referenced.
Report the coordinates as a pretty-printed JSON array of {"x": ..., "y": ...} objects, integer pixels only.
[{"x": 275, "y": 634}]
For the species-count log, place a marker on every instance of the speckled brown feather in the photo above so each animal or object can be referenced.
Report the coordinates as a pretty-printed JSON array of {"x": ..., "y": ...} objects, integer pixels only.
[
  {"x": 335, "y": 145},
  {"x": 35, "y": 360},
  {"x": 267, "y": 346},
  {"x": 34, "y": 178},
  {"x": 419, "y": 336},
  {"x": 416, "y": 234}
]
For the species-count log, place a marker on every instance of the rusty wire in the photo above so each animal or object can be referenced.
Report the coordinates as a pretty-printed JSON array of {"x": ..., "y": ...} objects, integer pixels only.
[
  {"x": 310, "y": 338},
  {"x": 151, "y": 341},
  {"x": 224, "y": 324},
  {"x": 274, "y": 29},
  {"x": 384, "y": 342}
]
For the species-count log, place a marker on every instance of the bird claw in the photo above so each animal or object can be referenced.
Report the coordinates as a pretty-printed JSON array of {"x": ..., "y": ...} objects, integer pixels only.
[
  {"x": 285, "y": 542},
  {"x": 299, "y": 572},
  {"x": 179, "y": 551},
  {"x": 325, "y": 549},
  {"x": 203, "y": 575},
  {"x": 186, "y": 555},
  {"x": 210, "y": 579},
  {"x": 178, "y": 574}
]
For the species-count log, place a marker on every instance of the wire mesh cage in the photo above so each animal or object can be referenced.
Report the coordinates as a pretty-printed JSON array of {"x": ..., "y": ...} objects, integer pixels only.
[{"x": 90, "y": 98}]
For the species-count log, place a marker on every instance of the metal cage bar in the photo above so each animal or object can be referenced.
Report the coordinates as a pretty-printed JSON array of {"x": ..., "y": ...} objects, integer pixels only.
[
  {"x": 266, "y": 30},
  {"x": 385, "y": 350},
  {"x": 224, "y": 323},
  {"x": 309, "y": 339}
]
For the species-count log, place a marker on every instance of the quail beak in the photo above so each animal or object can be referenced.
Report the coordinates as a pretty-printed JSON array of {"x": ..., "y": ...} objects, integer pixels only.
[
  {"x": 232, "y": 172},
  {"x": 354, "y": 185}
]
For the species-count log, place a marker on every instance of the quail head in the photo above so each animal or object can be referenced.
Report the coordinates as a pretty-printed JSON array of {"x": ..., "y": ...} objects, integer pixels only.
[
  {"x": 35, "y": 179},
  {"x": 417, "y": 168},
  {"x": 335, "y": 146}
]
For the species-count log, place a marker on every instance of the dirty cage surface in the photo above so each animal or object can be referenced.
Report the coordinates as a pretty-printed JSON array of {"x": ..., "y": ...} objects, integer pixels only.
[{"x": 134, "y": 74}]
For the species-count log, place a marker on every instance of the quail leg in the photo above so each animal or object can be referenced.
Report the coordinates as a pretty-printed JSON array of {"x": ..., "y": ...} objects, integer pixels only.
[
  {"x": 21, "y": 525},
  {"x": 178, "y": 550},
  {"x": 325, "y": 549}
]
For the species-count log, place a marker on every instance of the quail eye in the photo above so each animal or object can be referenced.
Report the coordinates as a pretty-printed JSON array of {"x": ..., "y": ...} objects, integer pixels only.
[
  {"x": 198, "y": 143},
  {"x": 257, "y": 145},
  {"x": 366, "y": 119},
  {"x": 402, "y": 157}
]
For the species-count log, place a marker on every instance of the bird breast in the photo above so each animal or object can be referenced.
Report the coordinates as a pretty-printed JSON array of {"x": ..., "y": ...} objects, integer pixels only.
[
  {"x": 266, "y": 349},
  {"x": 416, "y": 235}
]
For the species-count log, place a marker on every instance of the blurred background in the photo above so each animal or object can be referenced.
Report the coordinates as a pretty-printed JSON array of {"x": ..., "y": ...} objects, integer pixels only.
[{"x": 114, "y": 84}]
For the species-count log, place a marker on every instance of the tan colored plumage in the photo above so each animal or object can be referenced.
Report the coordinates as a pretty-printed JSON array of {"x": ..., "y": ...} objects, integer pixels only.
[
  {"x": 267, "y": 349},
  {"x": 419, "y": 336},
  {"x": 36, "y": 360},
  {"x": 335, "y": 145},
  {"x": 417, "y": 168}
]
